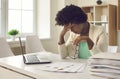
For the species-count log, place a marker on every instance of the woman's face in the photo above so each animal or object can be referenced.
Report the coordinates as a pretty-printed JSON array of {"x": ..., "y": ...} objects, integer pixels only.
[{"x": 76, "y": 28}]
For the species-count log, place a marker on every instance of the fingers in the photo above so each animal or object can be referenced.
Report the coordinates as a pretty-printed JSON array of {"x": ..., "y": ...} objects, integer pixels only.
[
  {"x": 77, "y": 40},
  {"x": 67, "y": 28}
]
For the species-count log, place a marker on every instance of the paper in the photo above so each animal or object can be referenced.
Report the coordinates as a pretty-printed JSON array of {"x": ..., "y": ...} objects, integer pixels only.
[
  {"x": 101, "y": 61},
  {"x": 112, "y": 49},
  {"x": 105, "y": 65},
  {"x": 106, "y": 55},
  {"x": 69, "y": 67},
  {"x": 106, "y": 75},
  {"x": 105, "y": 70}
]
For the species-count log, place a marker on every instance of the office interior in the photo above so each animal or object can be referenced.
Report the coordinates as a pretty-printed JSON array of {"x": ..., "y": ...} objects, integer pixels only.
[
  {"x": 51, "y": 44},
  {"x": 55, "y": 6}
]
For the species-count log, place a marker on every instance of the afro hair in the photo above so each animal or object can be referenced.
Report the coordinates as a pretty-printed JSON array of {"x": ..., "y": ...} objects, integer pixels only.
[{"x": 70, "y": 14}]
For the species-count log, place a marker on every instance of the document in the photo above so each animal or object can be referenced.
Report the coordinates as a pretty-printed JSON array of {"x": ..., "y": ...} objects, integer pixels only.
[
  {"x": 105, "y": 65},
  {"x": 105, "y": 70},
  {"x": 112, "y": 49},
  {"x": 105, "y": 55},
  {"x": 101, "y": 61},
  {"x": 106, "y": 75},
  {"x": 68, "y": 67}
]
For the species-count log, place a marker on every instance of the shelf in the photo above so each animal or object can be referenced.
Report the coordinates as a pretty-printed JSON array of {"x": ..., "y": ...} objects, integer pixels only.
[
  {"x": 104, "y": 22},
  {"x": 104, "y": 15}
]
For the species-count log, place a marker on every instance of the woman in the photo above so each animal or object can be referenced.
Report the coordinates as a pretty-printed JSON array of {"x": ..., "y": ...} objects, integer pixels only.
[{"x": 73, "y": 19}]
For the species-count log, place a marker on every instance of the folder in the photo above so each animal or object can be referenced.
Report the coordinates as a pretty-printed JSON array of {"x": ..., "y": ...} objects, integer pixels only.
[{"x": 113, "y": 56}]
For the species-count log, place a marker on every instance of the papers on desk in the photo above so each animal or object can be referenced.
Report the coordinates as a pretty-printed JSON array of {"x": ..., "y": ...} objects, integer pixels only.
[
  {"x": 68, "y": 67},
  {"x": 106, "y": 75},
  {"x": 105, "y": 65},
  {"x": 112, "y": 49}
]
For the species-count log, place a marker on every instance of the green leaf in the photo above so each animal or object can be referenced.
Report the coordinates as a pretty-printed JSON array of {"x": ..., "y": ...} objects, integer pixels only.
[{"x": 13, "y": 32}]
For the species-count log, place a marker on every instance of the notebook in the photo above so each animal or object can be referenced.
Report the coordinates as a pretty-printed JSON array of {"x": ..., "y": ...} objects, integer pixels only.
[{"x": 33, "y": 58}]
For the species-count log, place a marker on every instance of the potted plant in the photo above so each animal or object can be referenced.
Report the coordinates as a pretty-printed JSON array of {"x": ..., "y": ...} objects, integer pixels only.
[{"x": 13, "y": 33}]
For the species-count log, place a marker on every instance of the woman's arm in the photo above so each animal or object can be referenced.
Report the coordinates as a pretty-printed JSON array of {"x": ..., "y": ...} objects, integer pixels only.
[
  {"x": 102, "y": 42},
  {"x": 100, "y": 39},
  {"x": 62, "y": 49},
  {"x": 89, "y": 41},
  {"x": 84, "y": 35},
  {"x": 62, "y": 34}
]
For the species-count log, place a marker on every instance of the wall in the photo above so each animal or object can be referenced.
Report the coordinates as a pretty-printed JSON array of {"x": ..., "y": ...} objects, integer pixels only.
[
  {"x": 68, "y": 2},
  {"x": 51, "y": 44}
]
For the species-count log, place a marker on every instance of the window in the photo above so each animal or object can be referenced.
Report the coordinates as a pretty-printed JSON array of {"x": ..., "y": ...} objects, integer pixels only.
[
  {"x": 0, "y": 17},
  {"x": 21, "y": 15}
]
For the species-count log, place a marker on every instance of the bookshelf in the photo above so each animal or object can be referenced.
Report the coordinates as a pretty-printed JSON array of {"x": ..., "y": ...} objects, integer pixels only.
[
  {"x": 104, "y": 15},
  {"x": 118, "y": 15}
]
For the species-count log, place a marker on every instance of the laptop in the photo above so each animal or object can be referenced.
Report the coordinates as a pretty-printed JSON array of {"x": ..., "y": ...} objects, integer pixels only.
[{"x": 33, "y": 58}]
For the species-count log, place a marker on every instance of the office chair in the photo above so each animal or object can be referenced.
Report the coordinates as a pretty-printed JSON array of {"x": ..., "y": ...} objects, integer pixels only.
[
  {"x": 4, "y": 48},
  {"x": 33, "y": 44}
]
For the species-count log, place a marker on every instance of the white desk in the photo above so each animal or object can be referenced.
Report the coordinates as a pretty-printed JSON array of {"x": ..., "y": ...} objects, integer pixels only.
[{"x": 14, "y": 68}]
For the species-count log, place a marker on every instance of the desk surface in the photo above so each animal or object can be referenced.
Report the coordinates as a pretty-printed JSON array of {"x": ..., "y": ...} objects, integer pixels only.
[{"x": 15, "y": 63}]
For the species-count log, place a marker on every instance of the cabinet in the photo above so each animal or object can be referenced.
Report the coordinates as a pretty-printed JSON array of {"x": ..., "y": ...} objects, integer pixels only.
[
  {"x": 118, "y": 16},
  {"x": 104, "y": 15}
]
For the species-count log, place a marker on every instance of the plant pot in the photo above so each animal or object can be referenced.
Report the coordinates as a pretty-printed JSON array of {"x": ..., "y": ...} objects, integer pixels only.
[
  {"x": 99, "y": 2},
  {"x": 13, "y": 37}
]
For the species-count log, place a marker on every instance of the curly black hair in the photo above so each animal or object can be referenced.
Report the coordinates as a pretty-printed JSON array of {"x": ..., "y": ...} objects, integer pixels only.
[{"x": 70, "y": 14}]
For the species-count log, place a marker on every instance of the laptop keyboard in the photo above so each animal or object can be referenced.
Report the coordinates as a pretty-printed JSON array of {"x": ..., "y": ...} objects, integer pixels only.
[{"x": 32, "y": 58}]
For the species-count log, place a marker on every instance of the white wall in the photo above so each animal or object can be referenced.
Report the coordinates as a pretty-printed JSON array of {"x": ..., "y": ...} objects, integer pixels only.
[
  {"x": 51, "y": 44},
  {"x": 68, "y": 2},
  {"x": 93, "y": 2}
]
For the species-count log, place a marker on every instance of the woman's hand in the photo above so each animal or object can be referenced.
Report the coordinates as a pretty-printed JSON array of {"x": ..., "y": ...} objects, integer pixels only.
[
  {"x": 80, "y": 38},
  {"x": 65, "y": 30}
]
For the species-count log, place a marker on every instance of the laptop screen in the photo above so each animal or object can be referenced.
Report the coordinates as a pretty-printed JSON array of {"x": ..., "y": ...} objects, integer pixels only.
[{"x": 21, "y": 46}]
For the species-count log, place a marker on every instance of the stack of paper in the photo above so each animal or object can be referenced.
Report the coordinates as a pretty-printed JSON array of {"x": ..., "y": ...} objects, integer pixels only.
[
  {"x": 69, "y": 67},
  {"x": 105, "y": 65}
]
